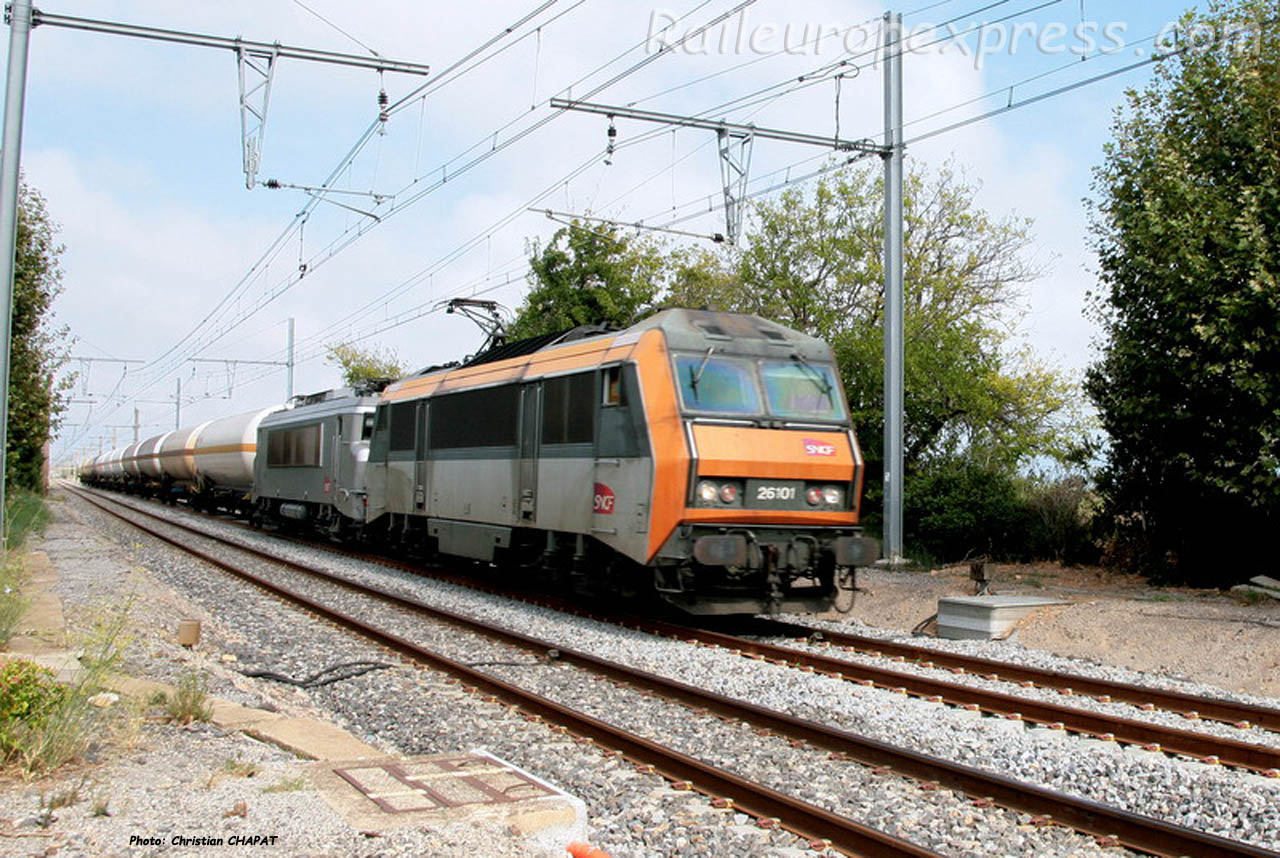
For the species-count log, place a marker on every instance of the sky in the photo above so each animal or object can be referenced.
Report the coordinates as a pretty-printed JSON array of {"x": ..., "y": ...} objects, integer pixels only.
[{"x": 136, "y": 145}]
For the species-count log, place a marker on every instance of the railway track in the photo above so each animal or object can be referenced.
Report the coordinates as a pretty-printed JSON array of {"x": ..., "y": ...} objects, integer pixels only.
[
  {"x": 1156, "y": 737},
  {"x": 1110, "y": 825},
  {"x": 1188, "y": 705},
  {"x": 1153, "y": 737}
]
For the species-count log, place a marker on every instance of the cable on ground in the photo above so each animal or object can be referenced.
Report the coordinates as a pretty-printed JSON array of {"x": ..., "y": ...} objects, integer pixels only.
[{"x": 327, "y": 676}]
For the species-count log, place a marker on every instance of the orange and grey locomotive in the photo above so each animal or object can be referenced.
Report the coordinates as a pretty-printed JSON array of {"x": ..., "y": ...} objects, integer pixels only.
[{"x": 705, "y": 456}]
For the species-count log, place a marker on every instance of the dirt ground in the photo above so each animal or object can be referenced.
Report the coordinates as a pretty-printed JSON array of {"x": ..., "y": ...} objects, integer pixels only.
[{"x": 1202, "y": 635}]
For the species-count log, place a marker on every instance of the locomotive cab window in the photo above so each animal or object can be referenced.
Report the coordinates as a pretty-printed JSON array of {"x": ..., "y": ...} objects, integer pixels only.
[
  {"x": 366, "y": 426},
  {"x": 717, "y": 384},
  {"x": 802, "y": 390},
  {"x": 612, "y": 392},
  {"x": 381, "y": 429}
]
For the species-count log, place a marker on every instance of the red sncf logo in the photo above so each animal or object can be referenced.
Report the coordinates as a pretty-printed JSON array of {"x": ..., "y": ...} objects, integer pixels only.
[
  {"x": 603, "y": 503},
  {"x": 818, "y": 448}
]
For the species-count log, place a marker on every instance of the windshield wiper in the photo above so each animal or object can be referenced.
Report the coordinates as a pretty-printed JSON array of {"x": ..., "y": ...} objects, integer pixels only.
[
  {"x": 695, "y": 377},
  {"x": 819, "y": 379}
]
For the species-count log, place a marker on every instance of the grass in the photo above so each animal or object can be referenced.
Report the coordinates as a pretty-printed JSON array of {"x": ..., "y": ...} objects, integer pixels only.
[
  {"x": 190, "y": 700},
  {"x": 25, "y": 514},
  {"x": 239, "y": 768},
  {"x": 233, "y": 768},
  {"x": 13, "y": 604},
  {"x": 1250, "y": 597},
  {"x": 289, "y": 785}
]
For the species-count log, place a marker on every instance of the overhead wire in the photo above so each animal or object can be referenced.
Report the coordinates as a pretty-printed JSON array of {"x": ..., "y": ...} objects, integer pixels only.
[
  {"x": 345, "y": 241},
  {"x": 356, "y": 231},
  {"x": 160, "y": 367},
  {"x": 688, "y": 36},
  {"x": 353, "y": 233},
  {"x": 386, "y": 298},
  {"x": 343, "y": 164},
  {"x": 497, "y": 147}
]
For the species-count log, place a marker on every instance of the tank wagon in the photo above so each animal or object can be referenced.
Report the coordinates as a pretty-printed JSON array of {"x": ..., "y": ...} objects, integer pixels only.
[
  {"x": 707, "y": 456},
  {"x": 311, "y": 462},
  {"x": 223, "y": 452},
  {"x": 210, "y": 464}
]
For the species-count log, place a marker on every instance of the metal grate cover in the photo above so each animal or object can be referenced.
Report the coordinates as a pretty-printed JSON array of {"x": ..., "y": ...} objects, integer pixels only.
[{"x": 442, "y": 782}]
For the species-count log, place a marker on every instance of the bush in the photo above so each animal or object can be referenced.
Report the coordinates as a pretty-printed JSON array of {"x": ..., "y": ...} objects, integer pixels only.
[
  {"x": 1059, "y": 520},
  {"x": 959, "y": 509},
  {"x": 30, "y": 699}
]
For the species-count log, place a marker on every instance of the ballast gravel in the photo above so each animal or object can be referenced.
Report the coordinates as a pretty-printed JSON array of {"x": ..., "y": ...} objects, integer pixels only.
[{"x": 402, "y": 710}]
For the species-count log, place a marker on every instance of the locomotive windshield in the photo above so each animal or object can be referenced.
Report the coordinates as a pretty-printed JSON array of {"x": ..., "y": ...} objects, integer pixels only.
[
  {"x": 723, "y": 385},
  {"x": 799, "y": 389},
  {"x": 793, "y": 389}
]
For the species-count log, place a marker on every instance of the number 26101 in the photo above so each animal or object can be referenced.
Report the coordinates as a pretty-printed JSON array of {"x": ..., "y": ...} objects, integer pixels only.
[{"x": 775, "y": 493}]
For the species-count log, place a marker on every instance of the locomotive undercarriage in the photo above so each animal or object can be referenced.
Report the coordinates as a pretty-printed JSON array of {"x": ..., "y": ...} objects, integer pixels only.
[
  {"x": 702, "y": 570},
  {"x": 771, "y": 570}
]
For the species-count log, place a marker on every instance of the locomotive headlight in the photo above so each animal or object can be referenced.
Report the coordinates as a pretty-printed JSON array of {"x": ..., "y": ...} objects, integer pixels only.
[
  {"x": 813, "y": 495},
  {"x": 728, "y": 493},
  {"x": 832, "y": 495},
  {"x": 707, "y": 491}
]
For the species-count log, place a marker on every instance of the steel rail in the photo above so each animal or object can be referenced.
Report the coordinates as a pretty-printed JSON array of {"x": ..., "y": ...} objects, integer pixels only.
[
  {"x": 1217, "y": 709},
  {"x": 1109, "y": 824},
  {"x": 798, "y": 816},
  {"x": 1205, "y": 747}
]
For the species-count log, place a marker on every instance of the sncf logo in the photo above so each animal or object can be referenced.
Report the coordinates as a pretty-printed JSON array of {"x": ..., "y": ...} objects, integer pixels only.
[
  {"x": 603, "y": 502},
  {"x": 818, "y": 448}
]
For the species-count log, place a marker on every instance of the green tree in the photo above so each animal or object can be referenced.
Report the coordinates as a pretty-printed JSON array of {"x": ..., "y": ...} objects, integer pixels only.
[
  {"x": 1185, "y": 223},
  {"x": 37, "y": 350},
  {"x": 364, "y": 365},
  {"x": 814, "y": 261},
  {"x": 587, "y": 274}
]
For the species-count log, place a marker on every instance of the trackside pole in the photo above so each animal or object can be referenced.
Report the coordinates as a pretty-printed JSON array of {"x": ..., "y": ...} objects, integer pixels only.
[
  {"x": 893, "y": 309},
  {"x": 15, "y": 92}
]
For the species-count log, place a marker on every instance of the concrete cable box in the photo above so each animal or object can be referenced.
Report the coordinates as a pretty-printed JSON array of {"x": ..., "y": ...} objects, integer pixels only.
[{"x": 985, "y": 617}]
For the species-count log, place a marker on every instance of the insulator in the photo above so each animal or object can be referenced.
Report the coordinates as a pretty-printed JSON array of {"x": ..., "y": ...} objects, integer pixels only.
[
  {"x": 612, "y": 134},
  {"x": 382, "y": 98}
]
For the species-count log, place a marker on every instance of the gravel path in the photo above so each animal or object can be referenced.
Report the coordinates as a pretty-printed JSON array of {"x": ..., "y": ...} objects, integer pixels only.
[{"x": 1220, "y": 801}]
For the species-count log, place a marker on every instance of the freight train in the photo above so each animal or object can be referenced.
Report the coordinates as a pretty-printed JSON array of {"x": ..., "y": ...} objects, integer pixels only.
[{"x": 704, "y": 457}]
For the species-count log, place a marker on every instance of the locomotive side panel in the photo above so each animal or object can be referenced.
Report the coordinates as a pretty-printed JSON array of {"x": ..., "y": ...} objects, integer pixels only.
[
  {"x": 565, "y": 453},
  {"x": 472, "y": 446}
]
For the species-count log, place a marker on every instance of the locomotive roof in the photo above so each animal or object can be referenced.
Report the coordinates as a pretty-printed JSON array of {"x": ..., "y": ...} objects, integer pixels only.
[
  {"x": 326, "y": 404},
  {"x": 698, "y": 330},
  {"x": 683, "y": 329}
]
